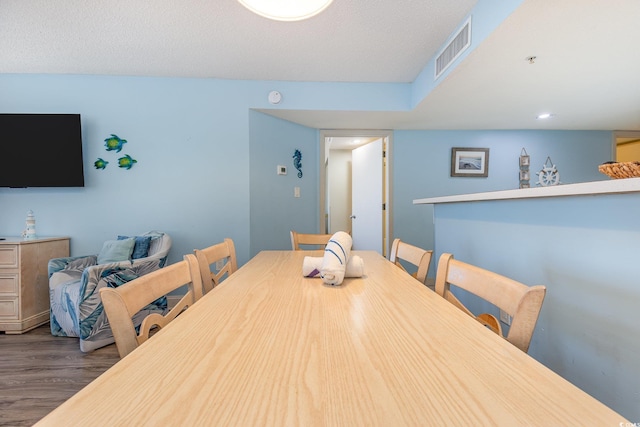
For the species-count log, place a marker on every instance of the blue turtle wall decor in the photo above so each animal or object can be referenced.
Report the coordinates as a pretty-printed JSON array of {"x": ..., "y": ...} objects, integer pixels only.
[
  {"x": 126, "y": 162},
  {"x": 100, "y": 163},
  {"x": 114, "y": 143}
]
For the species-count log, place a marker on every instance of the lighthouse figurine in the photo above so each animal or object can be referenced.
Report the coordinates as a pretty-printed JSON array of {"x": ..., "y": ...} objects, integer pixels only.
[{"x": 30, "y": 230}]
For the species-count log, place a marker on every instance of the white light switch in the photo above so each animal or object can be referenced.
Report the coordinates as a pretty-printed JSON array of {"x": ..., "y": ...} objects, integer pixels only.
[
  {"x": 296, "y": 191},
  {"x": 282, "y": 170}
]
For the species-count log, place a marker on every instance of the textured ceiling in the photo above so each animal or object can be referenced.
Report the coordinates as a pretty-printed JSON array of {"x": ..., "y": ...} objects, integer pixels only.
[
  {"x": 351, "y": 41},
  {"x": 586, "y": 71}
]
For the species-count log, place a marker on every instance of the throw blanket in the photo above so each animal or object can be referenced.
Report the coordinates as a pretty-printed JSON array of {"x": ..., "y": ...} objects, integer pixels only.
[
  {"x": 336, "y": 255},
  {"x": 311, "y": 266}
]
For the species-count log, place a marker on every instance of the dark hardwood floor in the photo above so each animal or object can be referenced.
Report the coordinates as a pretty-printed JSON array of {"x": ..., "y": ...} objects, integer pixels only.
[{"x": 38, "y": 372}]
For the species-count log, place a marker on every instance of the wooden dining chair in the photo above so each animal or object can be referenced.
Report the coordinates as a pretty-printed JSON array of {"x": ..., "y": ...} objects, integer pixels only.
[
  {"x": 216, "y": 262},
  {"x": 521, "y": 302},
  {"x": 317, "y": 241},
  {"x": 421, "y": 258},
  {"x": 130, "y": 300}
]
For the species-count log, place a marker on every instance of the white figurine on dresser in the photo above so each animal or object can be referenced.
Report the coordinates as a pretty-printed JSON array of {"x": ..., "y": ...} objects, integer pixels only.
[{"x": 29, "y": 232}]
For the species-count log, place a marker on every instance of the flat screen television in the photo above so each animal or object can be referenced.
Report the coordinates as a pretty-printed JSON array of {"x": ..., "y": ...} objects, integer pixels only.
[{"x": 41, "y": 150}]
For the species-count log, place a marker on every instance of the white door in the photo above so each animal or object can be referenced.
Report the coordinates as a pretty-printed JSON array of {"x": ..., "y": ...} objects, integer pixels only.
[{"x": 366, "y": 215}]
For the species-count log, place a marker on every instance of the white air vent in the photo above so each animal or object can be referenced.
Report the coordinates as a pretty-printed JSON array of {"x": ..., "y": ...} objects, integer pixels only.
[{"x": 460, "y": 42}]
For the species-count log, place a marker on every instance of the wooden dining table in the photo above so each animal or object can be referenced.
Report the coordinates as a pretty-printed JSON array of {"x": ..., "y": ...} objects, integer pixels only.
[{"x": 269, "y": 347}]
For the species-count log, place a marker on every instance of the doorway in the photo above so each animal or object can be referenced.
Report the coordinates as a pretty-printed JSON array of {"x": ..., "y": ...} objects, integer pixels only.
[
  {"x": 627, "y": 146},
  {"x": 336, "y": 147}
]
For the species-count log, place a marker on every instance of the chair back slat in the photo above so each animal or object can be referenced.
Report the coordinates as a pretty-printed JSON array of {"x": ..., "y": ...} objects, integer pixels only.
[
  {"x": 523, "y": 303},
  {"x": 415, "y": 255},
  {"x": 318, "y": 241},
  {"x": 121, "y": 304},
  {"x": 222, "y": 255}
]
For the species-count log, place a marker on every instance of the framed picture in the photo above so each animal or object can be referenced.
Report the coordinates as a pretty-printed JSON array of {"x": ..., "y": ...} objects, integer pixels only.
[{"x": 472, "y": 162}]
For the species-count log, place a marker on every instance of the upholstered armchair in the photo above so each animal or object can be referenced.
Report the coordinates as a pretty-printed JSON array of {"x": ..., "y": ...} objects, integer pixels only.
[{"x": 75, "y": 283}]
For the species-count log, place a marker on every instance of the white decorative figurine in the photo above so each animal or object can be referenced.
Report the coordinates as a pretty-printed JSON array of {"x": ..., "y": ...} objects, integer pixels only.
[
  {"x": 524, "y": 169},
  {"x": 30, "y": 230},
  {"x": 548, "y": 175}
]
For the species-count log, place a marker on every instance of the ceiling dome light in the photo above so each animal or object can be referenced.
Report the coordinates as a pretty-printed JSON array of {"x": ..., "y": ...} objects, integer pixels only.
[
  {"x": 286, "y": 10},
  {"x": 544, "y": 116}
]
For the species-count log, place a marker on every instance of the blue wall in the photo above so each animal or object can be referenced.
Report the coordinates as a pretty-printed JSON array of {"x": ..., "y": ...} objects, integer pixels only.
[
  {"x": 191, "y": 140},
  {"x": 206, "y": 161},
  {"x": 584, "y": 249},
  {"x": 422, "y": 165},
  {"x": 274, "y": 210}
]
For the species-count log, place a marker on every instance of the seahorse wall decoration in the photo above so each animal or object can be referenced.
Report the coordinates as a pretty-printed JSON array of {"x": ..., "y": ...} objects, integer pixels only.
[{"x": 297, "y": 162}]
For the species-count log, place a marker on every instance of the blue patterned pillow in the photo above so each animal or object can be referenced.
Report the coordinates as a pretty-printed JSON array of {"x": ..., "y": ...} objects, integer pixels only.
[
  {"x": 116, "y": 251},
  {"x": 141, "y": 248}
]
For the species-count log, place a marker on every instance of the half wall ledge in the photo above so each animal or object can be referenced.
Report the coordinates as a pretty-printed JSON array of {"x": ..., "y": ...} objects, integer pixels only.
[{"x": 612, "y": 186}]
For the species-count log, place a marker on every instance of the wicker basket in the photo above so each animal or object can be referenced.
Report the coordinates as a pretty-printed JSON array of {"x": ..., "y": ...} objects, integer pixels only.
[{"x": 620, "y": 169}]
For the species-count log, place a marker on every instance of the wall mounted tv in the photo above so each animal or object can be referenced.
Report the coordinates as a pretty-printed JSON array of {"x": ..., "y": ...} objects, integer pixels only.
[{"x": 41, "y": 150}]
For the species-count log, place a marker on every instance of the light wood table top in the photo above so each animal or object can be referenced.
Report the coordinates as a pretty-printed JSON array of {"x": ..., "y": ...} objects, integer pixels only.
[{"x": 270, "y": 347}]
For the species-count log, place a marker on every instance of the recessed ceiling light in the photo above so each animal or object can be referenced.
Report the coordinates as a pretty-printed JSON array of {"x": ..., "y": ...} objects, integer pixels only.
[
  {"x": 286, "y": 10},
  {"x": 544, "y": 116}
]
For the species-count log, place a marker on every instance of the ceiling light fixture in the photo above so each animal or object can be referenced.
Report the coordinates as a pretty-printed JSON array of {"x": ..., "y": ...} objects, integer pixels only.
[
  {"x": 286, "y": 10},
  {"x": 544, "y": 116}
]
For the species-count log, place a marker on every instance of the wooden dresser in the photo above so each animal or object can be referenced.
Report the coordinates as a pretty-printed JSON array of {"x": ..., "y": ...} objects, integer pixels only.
[{"x": 24, "y": 281}]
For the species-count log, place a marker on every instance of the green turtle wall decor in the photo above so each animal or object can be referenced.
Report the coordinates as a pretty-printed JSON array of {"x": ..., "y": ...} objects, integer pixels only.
[
  {"x": 100, "y": 163},
  {"x": 115, "y": 143},
  {"x": 126, "y": 162}
]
